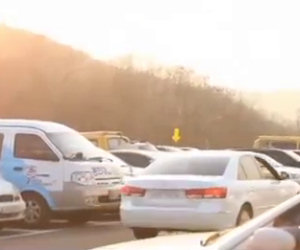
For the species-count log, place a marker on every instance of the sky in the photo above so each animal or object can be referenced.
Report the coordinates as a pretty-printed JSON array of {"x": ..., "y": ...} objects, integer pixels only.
[{"x": 242, "y": 44}]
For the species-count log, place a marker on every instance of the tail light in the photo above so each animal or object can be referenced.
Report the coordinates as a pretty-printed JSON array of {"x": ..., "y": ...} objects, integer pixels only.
[
  {"x": 132, "y": 191},
  {"x": 207, "y": 193}
]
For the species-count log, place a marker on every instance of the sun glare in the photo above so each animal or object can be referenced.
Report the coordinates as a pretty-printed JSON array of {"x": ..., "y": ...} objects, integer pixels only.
[{"x": 238, "y": 45}]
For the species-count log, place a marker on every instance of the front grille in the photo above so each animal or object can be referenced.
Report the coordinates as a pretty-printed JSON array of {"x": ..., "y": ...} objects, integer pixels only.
[
  {"x": 103, "y": 198},
  {"x": 6, "y": 198}
]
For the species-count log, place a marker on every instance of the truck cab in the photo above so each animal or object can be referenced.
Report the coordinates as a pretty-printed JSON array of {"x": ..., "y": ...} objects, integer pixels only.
[{"x": 107, "y": 140}]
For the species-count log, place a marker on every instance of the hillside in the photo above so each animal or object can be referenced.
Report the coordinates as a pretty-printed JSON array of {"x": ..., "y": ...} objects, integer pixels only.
[
  {"x": 44, "y": 80},
  {"x": 285, "y": 103}
]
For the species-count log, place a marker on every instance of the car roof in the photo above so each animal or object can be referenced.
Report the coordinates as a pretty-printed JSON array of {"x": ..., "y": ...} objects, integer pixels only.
[{"x": 45, "y": 126}]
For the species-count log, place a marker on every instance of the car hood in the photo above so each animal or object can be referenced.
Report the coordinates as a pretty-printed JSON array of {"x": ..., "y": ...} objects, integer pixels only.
[{"x": 189, "y": 241}]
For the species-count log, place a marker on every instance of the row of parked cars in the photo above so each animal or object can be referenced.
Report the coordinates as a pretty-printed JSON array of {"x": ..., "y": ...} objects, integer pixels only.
[
  {"x": 58, "y": 172},
  {"x": 212, "y": 191}
]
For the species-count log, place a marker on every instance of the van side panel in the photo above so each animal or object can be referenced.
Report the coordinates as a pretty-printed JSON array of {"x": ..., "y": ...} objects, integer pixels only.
[{"x": 24, "y": 174}]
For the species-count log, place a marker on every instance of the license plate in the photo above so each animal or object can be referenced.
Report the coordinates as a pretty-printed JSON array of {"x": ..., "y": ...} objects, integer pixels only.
[{"x": 164, "y": 194}]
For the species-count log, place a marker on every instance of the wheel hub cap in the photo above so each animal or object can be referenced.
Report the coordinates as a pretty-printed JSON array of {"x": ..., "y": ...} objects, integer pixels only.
[{"x": 33, "y": 212}]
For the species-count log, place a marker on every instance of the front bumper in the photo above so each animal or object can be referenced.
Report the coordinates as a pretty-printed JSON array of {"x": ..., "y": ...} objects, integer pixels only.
[
  {"x": 80, "y": 197},
  {"x": 12, "y": 211}
]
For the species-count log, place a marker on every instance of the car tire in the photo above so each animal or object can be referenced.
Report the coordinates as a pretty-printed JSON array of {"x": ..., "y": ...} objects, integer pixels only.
[
  {"x": 244, "y": 215},
  {"x": 144, "y": 233},
  {"x": 37, "y": 213}
]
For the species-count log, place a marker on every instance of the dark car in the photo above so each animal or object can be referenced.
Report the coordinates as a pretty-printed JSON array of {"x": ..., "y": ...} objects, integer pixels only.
[{"x": 286, "y": 158}]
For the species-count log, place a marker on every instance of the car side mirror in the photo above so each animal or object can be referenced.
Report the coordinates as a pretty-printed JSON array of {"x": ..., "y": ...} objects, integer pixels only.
[{"x": 284, "y": 175}]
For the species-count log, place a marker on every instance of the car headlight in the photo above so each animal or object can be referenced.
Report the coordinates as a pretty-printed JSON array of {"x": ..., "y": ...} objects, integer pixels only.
[{"x": 83, "y": 178}]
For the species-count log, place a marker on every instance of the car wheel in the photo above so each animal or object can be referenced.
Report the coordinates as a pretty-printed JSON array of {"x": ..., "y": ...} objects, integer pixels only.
[
  {"x": 144, "y": 233},
  {"x": 245, "y": 215},
  {"x": 37, "y": 213}
]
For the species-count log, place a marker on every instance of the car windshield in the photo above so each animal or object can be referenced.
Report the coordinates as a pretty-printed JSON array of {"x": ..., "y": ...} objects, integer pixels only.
[
  {"x": 74, "y": 146},
  {"x": 206, "y": 165}
]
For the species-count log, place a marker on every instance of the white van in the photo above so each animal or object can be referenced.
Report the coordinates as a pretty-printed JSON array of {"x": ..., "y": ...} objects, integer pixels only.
[{"x": 58, "y": 171}]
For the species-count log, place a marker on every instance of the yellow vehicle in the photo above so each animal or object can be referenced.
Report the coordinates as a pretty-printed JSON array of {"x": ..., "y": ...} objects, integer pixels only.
[
  {"x": 107, "y": 140},
  {"x": 282, "y": 142}
]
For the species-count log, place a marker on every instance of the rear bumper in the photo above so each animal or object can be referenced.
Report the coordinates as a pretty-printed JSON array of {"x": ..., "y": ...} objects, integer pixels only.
[
  {"x": 179, "y": 218},
  {"x": 12, "y": 211}
]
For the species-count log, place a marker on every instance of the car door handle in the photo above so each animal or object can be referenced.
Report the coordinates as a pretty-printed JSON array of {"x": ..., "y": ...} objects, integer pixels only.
[
  {"x": 19, "y": 169},
  {"x": 43, "y": 175}
]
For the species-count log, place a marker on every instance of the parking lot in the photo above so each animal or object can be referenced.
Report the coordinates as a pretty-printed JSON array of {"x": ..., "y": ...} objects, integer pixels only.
[{"x": 61, "y": 235}]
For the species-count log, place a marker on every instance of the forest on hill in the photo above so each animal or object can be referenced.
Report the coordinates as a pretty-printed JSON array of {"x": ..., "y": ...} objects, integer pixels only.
[{"x": 41, "y": 79}]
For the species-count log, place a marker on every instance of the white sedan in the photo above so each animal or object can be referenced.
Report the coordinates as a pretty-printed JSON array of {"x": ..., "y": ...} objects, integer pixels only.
[
  {"x": 205, "y": 191},
  {"x": 12, "y": 206}
]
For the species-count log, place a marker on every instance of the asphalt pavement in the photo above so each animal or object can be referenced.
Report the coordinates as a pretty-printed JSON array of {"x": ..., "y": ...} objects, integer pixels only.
[{"x": 63, "y": 236}]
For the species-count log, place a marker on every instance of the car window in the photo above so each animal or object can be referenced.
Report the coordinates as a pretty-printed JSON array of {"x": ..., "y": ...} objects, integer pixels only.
[
  {"x": 250, "y": 167},
  {"x": 206, "y": 165},
  {"x": 1, "y": 143},
  {"x": 265, "y": 169},
  {"x": 136, "y": 160},
  {"x": 29, "y": 146}
]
